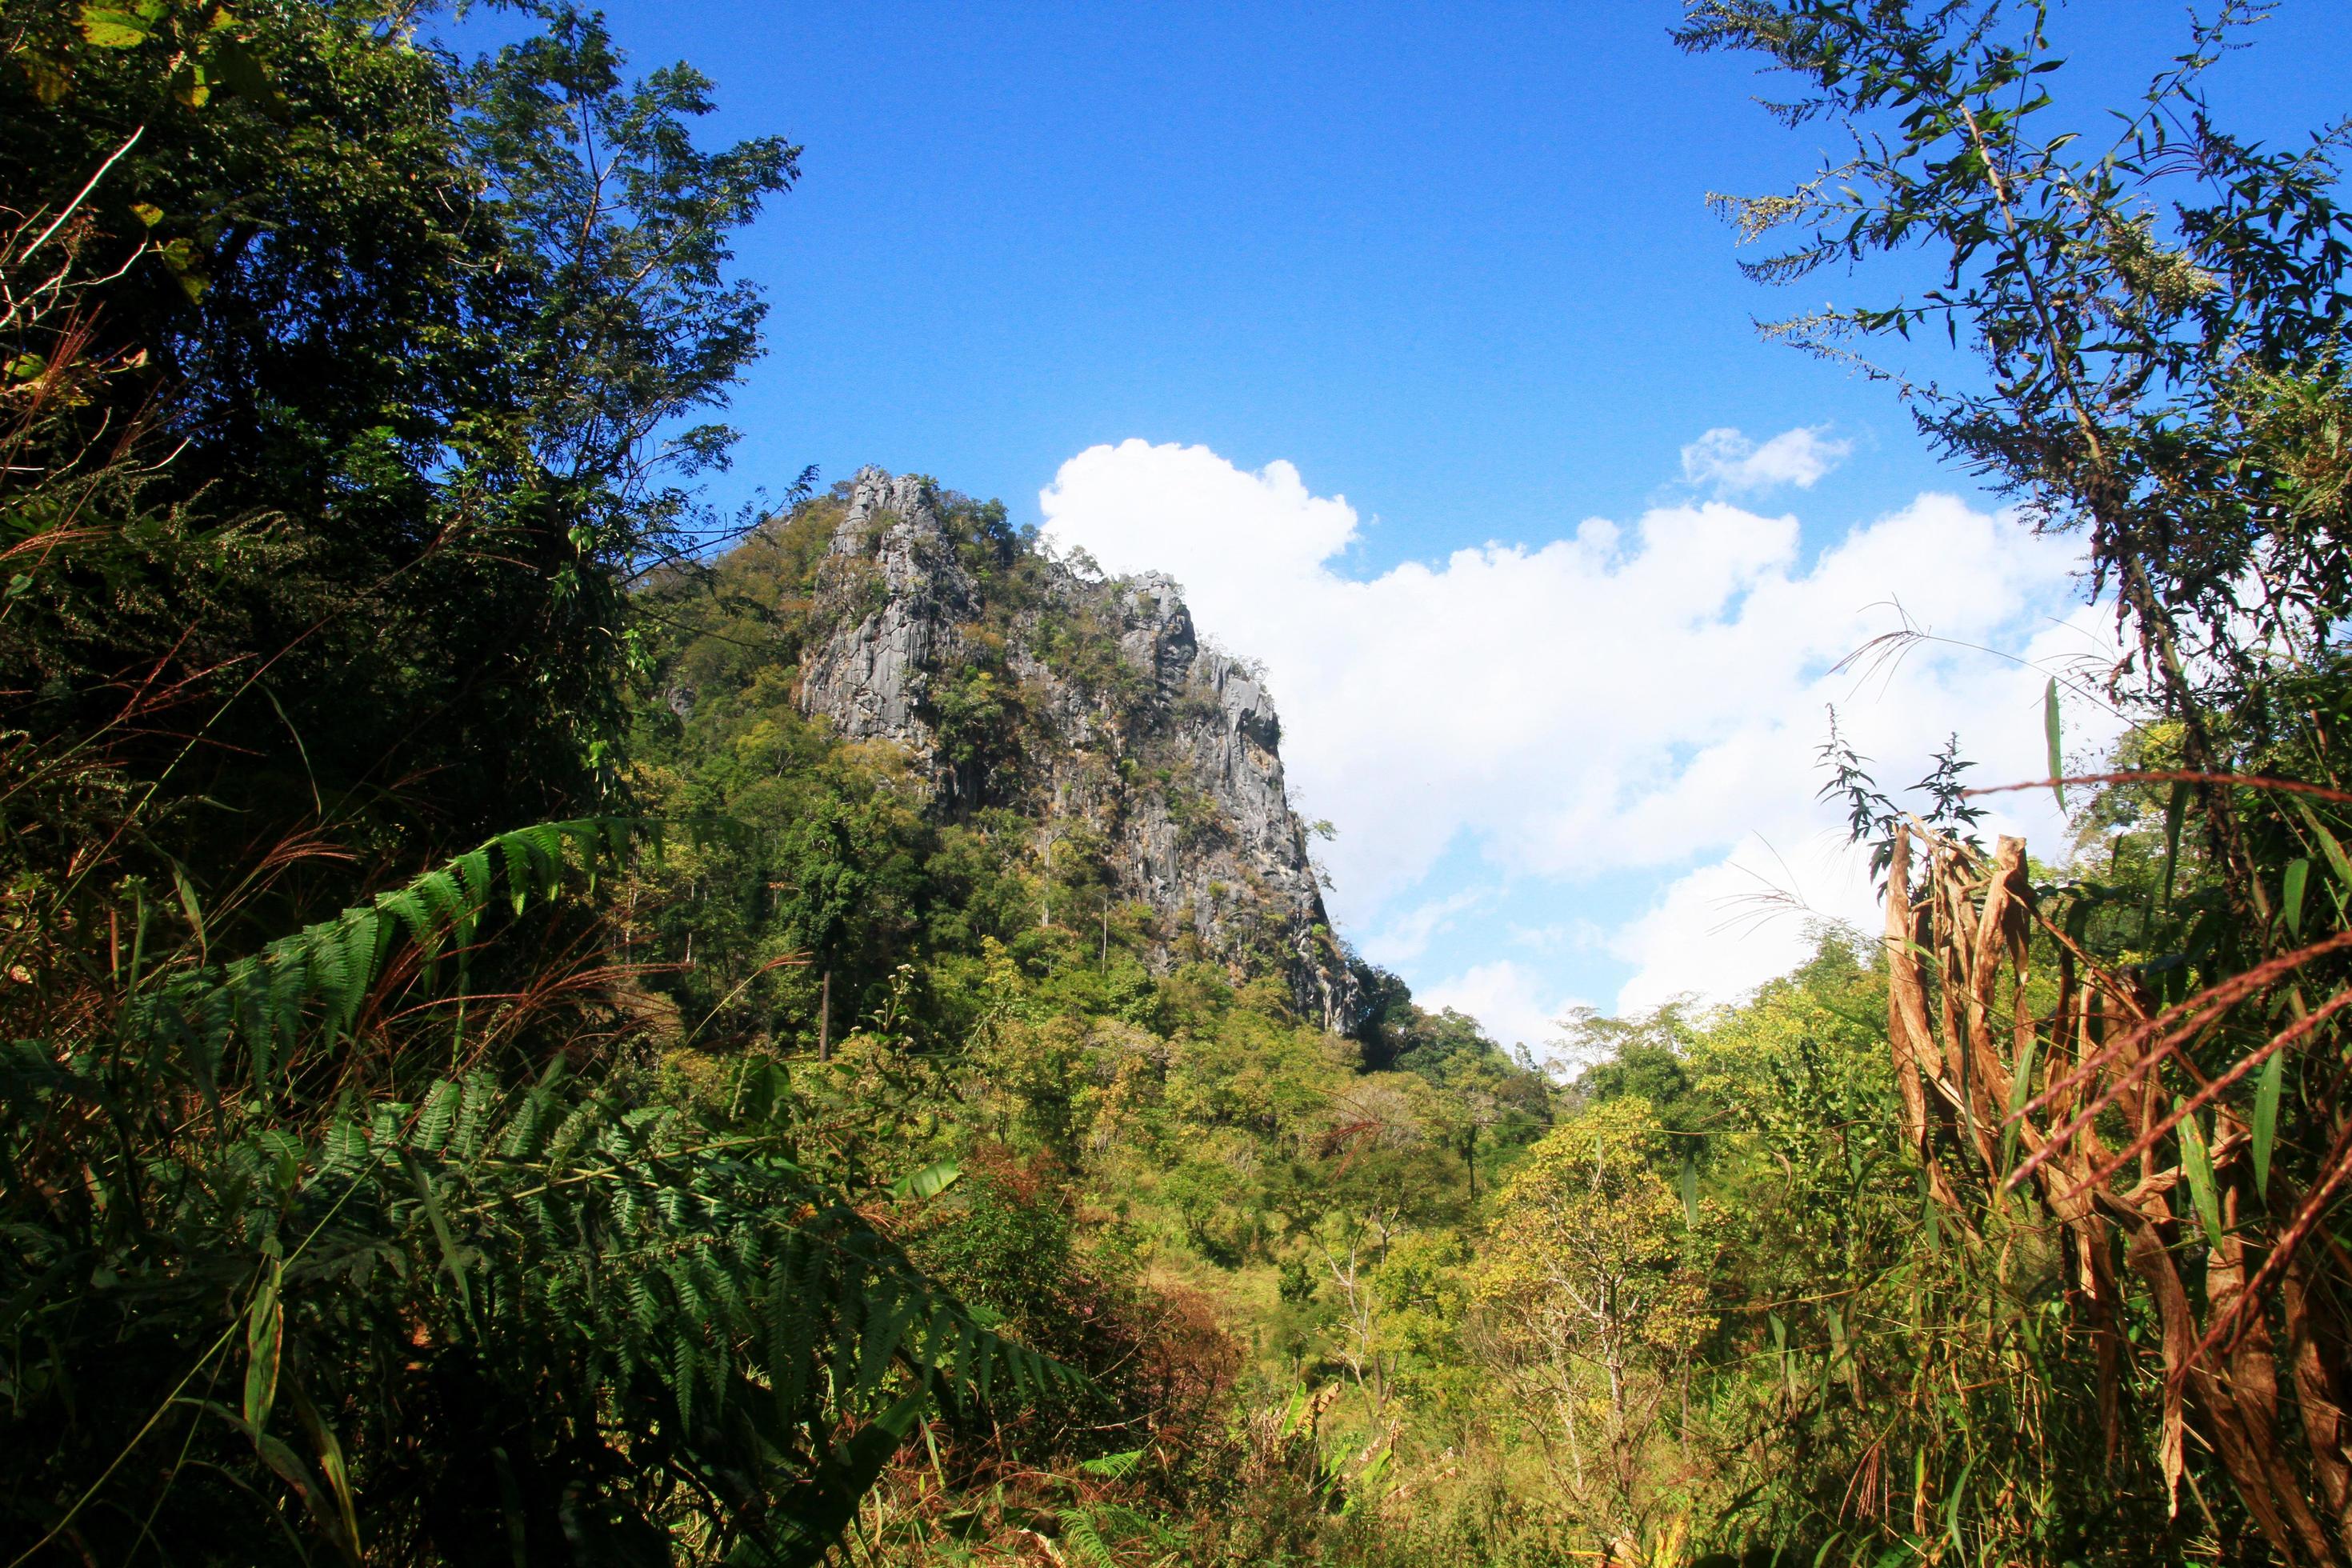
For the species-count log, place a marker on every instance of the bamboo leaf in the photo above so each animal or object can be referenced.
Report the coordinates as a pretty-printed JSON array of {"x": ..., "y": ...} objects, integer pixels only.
[
  {"x": 265, "y": 1338},
  {"x": 2266, "y": 1106},
  {"x": 2197, "y": 1164},
  {"x": 1927, "y": 1209},
  {"x": 510, "y": 1500},
  {"x": 1952, "y": 1505},
  {"x": 451, "y": 1257},
  {"x": 337, "y": 1471},
  {"x": 845, "y": 1478},
  {"x": 2021, "y": 1090},
  {"x": 2174, "y": 809},
  {"x": 2050, "y": 733},
  {"x": 188, "y": 904},
  {"x": 2333, "y": 850},
  {"x": 279, "y": 1456},
  {"x": 2299, "y": 874}
]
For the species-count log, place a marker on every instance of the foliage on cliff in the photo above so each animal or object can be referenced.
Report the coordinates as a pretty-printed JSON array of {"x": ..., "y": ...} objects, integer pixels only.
[{"x": 1009, "y": 790}]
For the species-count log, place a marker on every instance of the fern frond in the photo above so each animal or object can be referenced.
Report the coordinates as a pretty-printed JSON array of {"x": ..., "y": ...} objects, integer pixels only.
[
  {"x": 434, "y": 1121},
  {"x": 473, "y": 1117},
  {"x": 602, "y": 1259},
  {"x": 1085, "y": 1542},
  {"x": 473, "y": 871}
]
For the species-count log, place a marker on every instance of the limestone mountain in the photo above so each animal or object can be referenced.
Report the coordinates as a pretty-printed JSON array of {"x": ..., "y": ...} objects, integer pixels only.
[{"x": 1088, "y": 704}]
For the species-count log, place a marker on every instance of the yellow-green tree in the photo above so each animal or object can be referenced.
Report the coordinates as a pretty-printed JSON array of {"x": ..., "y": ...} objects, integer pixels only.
[{"x": 1588, "y": 1304}]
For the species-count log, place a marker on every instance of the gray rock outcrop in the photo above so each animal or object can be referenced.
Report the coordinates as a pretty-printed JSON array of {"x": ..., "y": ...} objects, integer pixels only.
[
  {"x": 891, "y": 560},
  {"x": 1170, "y": 758}
]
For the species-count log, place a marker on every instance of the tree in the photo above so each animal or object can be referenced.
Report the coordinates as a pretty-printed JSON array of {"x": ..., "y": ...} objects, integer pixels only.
[
  {"x": 399, "y": 345},
  {"x": 2155, "y": 323},
  {"x": 1592, "y": 1305},
  {"x": 336, "y": 398}
]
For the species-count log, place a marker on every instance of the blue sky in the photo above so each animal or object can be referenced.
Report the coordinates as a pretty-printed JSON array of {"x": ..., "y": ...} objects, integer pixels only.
[{"x": 1451, "y": 261}]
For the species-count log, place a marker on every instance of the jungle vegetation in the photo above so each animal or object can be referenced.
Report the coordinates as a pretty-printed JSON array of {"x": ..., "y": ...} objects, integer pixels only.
[{"x": 485, "y": 1079}]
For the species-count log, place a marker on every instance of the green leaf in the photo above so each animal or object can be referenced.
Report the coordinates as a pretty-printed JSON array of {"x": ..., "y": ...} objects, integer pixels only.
[
  {"x": 2333, "y": 850},
  {"x": 1082, "y": 1542},
  {"x": 2299, "y": 874},
  {"x": 452, "y": 1258},
  {"x": 2174, "y": 809},
  {"x": 474, "y": 869},
  {"x": 2197, "y": 1164},
  {"x": 842, "y": 1480},
  {"x": 188, "y": 904},
  {"x": 2021, "y": 1090},
  {"x": 927, "y": 1182},
  {"x": 2051, "y": 731},
  {"x": 1927, "y": 1209},
  {"x": 192, "y": 86},
  {"x": 2266, "y": 1104},
  {"x": 337, "y": 1471},
  {"x": 365, "y": 936},
  {"x": 885, "y": 1320},
  {"x": 265, "y": 1338},
  {"x": 48, "y": 76},
  {"x": 111, "y": 28}
]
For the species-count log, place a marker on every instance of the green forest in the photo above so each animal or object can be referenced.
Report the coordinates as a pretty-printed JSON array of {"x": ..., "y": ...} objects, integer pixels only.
[{"x": 492, "y": 1075}]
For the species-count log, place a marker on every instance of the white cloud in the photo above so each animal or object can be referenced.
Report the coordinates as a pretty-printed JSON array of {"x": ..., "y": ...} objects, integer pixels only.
[
  {"x": 1726, "y": 928},
  {"x": 1514, "y": 1005},
  {"x": 1629, "y": 703},
  {"x": 1405, "y": 935},
  {"x": 1735, "y": 464}
]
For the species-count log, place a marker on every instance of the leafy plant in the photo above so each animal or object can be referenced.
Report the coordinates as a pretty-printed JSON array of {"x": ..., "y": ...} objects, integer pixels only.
[
  {"x": 2155, "y": 331},
  {"x": 548, "y": 1311}
]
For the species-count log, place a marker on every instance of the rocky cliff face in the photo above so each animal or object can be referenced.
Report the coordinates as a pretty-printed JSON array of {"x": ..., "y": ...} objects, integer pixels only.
[{"x": 1138, "y": 745}]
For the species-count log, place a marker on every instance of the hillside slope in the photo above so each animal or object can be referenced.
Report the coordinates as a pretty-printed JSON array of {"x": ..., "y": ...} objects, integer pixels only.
[{"x": 1079, "y": 720}]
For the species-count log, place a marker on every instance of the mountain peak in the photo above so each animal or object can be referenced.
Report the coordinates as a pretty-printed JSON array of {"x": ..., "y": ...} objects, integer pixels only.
[{"x": 1089, "y": 705}]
